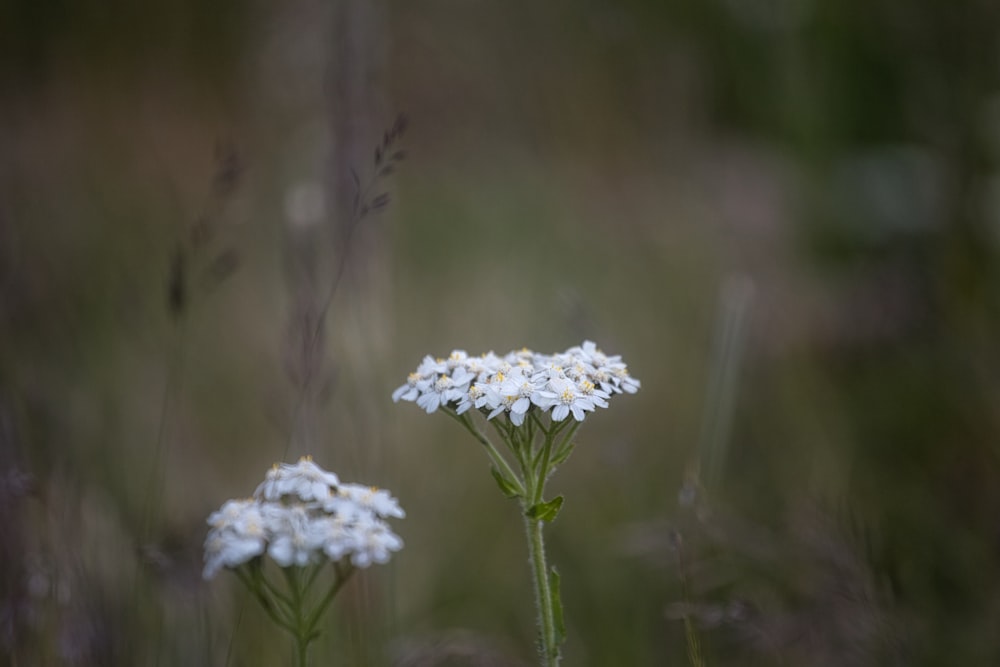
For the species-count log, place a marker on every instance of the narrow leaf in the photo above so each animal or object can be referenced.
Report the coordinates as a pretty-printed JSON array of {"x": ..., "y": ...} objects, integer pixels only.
[
  {"x": 562, "y": 455},
  {"x": 506, "y": 486},
  {"x": 546, "y": 511}
]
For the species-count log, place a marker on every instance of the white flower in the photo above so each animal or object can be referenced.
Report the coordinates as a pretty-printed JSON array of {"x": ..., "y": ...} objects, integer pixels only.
[
  {"x": 415, "y": 383},
  {"x": 238, "y": 534},
  {"x": 603, "y": 378},
  {"x": 233, "y": 513},
  {"x": 296, "y": 537},
  {"x": 457, "y": 358},
  {"x": 373, "y": 499},
  {"x": 483, "y": 366},
  {"x": 374, "y": 542},
  {"x": 502, "y": 403},
  {"x": 598, "y": 397},
  {"x": 445, "y": 389},
  {"x": 418, "y": 381},
  {"x": 365, "y": 538},
  {"x": 473, "y": 396},
  {"x": 342, "y": 537},
  {"x": 563, "y": 397},
  {"x": 625, "y": 381},
  {"x": 514, "y": 394},
  {"x": 485, "y": 393},
  {"x": 572, "y": 382},
  {"x": 548, "y": 370},
  {"x": 229, "y": 550},
  {"x": 589, "y": 354},
  {"x": 305, "y": 479},
  {"x": 302, "y": 514}
]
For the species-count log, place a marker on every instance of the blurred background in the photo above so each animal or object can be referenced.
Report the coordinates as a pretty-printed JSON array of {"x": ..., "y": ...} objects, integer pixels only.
[{"x": 784, "y": 214}]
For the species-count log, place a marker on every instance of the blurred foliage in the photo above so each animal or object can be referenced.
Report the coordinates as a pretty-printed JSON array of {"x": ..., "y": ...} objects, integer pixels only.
[{"x": 574, "y": 170}]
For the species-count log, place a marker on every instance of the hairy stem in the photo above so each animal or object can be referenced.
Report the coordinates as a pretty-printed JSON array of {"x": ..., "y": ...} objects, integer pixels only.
[
  {"x": 536, "y": 476},
  {"x": 549, "y": 644}
]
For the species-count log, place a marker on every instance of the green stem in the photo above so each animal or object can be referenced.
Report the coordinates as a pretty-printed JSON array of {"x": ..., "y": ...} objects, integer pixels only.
[
  {"x": 538, "y": 421},
  {"x": 542, "y": 471},
  {"x": 340, "y": 578},
  {"x": 287, "y": 611},
  {"x": 690, "y": 633},
  {"x": 256, "y": 585},
  {"x": 543, "y": 593},
  {"x": 536, "y": 475},
  {"x": 287, "y": 605},
  {"x": 496, "y": 457},
  {"x": 302, "y": 633},
  {"x": 566, "y": 442},
  {"x": 315, "y": 569},
  {"x": 536, "y": 466}
]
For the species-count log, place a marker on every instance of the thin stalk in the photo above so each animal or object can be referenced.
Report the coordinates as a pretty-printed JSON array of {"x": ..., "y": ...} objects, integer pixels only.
[
  {"x": 567, "y": 441},
  {"x": 253, "y": 585},
  {"x": 538, "y": 421},
  {"x": 261, "y": 578},
  {"x": 524, "y": 441},
  {"x": 727, "y": 353},
  {"x": 690, "y": 633},
  {"x": 549, "y": 647},
  {"x": 288, "y": 610},
  {"x": 316, "y": 569},
  {"x": 302, "y": 635},
  {"x": 530, "y": 424},
  {"x": 537, "y": 476},
  {"x": 505, "y": 432},
  {"x": 543, "y": 472},
  {"x": 340, "y": 579},
  {"x": 495, "y": 455},
  {"x": 314, "y": 335},
  {"x": 536, "y": 466}
]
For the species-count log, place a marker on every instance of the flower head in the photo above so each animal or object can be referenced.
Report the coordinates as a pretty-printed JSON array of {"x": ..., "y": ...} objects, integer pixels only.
[
  {"x": 302, "y": 514},
  {"x": 572, "y": 382}
]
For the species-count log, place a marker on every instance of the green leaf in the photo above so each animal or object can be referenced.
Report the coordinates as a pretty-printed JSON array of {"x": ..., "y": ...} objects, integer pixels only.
[
  {"x": 508, "y": 487},
  {"x": 545, "y": 511},
  {"x": 557, "y": 608},
  {"x": 562, "y": 455}
]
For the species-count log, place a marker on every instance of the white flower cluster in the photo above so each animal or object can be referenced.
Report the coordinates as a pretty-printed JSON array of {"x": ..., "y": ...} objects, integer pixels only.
[
  {"x": 302, "y": 514},
  {"x": 574, "y": 382}
]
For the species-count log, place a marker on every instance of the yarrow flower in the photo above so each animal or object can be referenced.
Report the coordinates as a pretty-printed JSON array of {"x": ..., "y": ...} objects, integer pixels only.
[
  {"x": 237, "y": 535},
  {"x": 302, "y": 514},
  {"x": 574, "y": 382},
  {"x": 523, "y": 385},
  {"x": 304, "y": 479}
]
